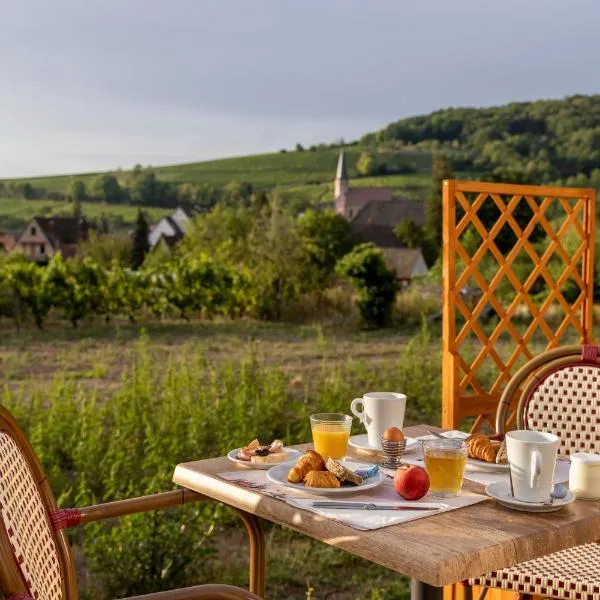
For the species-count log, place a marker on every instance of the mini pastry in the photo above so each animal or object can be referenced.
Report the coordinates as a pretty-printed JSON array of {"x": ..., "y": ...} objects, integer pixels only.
[
  {"x": 341, "y": 472},
  {"x": 321, "y": 479},
  {"x": 311, "y": 461}
]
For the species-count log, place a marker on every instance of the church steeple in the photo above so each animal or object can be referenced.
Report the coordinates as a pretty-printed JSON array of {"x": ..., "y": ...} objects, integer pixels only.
[{"x": 341, "y": 186}]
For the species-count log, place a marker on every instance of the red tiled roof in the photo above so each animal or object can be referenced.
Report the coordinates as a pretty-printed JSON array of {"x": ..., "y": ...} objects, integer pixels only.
[
  {"x": 391, "y": 213},
  {"x": 62, "y": 231}
]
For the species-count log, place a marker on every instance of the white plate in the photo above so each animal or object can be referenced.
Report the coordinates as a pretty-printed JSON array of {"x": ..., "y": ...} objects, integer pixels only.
[
  {"x": 480, "y": 465},
  {"x": 278, "y": 474},
  {"x": 293, "y": 456},
  {"x": 500, "y": 491},
  {"x": 451, "y": 435},
  {"x": 361, "y": 442}
]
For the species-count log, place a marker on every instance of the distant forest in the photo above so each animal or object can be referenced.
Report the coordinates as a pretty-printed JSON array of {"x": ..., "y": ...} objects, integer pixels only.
[{"x": 546, "y": 141}]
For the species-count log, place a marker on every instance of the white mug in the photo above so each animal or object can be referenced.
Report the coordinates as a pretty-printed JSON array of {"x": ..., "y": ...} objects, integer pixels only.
[
  {"x": 380, "y": 410},
  {"x": 531, "y": 459}
]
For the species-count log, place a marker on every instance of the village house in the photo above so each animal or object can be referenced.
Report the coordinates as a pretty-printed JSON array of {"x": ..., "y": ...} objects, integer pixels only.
[
  {"x": 169, "y": 230},
  {"x": 373, "y": 213},
  {"x": 45, "y": 236}
]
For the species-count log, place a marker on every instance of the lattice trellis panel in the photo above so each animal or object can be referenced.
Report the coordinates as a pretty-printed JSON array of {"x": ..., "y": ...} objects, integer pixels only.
[{"x": 518, "y": 268}]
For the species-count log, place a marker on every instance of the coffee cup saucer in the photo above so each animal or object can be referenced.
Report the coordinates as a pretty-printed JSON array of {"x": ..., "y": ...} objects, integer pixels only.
[
  {"x": 361, "y": 442},
  {"x": 500, "y": 491}
]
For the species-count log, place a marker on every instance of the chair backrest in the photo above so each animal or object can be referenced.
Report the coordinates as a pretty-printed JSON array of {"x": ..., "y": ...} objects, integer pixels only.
[
  {"x": 558, "y": 392},
  {"x": 35, "y": 557}
]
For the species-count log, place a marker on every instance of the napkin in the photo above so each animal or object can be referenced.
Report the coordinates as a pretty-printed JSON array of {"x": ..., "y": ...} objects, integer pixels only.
[{"x": 356, "y": 518}]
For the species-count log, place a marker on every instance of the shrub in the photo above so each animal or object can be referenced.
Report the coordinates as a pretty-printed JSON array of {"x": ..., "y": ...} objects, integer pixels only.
[{"x": 374, "y": 283}]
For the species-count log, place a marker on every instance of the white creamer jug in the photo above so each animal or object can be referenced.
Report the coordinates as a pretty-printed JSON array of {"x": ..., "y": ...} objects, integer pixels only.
[{"x": 584, "y": 475}]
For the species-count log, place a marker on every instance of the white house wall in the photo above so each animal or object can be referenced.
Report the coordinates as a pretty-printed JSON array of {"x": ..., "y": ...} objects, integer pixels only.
[
  {"x": 163, "y": 227},
  {"x": 180, "y": 217},
  {"x": 420, "y": 267}
]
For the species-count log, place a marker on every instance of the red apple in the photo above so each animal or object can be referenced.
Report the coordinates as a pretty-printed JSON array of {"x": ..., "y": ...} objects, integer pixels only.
[{"x": 411, "y": 482}]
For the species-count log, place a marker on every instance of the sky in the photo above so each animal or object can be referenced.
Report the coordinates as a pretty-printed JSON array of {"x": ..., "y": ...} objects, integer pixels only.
[{"x": 93, "y": 85}]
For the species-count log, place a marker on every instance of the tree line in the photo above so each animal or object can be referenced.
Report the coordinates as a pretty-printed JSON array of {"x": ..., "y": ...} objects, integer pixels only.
[
  {"x": 141, "y": 187},
  {"x": 546, "y": 141},
  {"x": 254, "y": 261}
]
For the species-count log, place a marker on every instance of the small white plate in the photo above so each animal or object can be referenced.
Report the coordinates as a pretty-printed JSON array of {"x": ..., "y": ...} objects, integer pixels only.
[
  {"x": 293, "y": 455},
  {"x": 361, "y": 442},
  {"x": 500, "y": 491},
  {"x": 278, "y": 474}
]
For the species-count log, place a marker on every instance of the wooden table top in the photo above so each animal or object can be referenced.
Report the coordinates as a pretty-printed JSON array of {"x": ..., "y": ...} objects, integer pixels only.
[{"x": 440, "y": 549}]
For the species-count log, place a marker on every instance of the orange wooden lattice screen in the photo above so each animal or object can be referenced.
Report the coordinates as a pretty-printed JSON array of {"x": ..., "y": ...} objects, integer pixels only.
[{"x": 518, "y": 268}]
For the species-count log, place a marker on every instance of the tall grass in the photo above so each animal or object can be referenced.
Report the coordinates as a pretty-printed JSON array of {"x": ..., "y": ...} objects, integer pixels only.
[{"x": 185, "y": 408}]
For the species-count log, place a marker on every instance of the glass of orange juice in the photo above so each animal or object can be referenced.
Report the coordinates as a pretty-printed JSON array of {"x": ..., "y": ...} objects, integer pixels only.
[
  {"x": 330, "y": 432},
  {"x": 445, "y": 462}
]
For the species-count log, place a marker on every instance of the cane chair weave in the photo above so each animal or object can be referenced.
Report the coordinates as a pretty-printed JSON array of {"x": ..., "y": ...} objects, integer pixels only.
[
  {"x": 572, "y": 574},
  {"x": 565, "y": 402},
  {"x": 557, "y": 392},
  {"x": 36, "y": 562},
  {"x": 26, "y": 522}
]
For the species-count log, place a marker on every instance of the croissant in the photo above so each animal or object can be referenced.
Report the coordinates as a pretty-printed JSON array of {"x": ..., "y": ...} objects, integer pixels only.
[
  {"x": 321, "y": 479},
  {"x": 502, "y": 457},
  {"x": 481, "y": 448},
  {"x": 311, "y": 461}
]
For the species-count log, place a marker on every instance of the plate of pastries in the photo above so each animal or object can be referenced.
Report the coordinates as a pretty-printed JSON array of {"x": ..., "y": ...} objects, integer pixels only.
[
  {"x": 263, "y": 456},
  {"x": 315, "y": 474},
  {"x": 486, "y": 453}
]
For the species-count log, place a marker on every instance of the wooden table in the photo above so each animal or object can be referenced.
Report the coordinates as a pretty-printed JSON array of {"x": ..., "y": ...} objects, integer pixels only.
[{"x": 438, "y": 550}]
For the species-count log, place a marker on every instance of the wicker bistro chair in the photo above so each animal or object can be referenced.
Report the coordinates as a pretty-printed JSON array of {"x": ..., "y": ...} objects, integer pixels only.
[
  {"x": 35, "y": 558},
  {"x": 557, "y": 392}
]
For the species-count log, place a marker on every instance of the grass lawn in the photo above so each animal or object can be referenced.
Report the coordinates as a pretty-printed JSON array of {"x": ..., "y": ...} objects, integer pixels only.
[{"x": 97, "y": 355}]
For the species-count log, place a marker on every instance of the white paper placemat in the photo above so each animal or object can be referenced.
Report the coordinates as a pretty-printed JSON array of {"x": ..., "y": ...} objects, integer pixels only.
[{"x": 358, "y": 519}]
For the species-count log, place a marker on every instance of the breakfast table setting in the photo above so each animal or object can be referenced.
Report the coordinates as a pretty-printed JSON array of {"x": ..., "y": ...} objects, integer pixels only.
[{"x": 438, "y": 506}]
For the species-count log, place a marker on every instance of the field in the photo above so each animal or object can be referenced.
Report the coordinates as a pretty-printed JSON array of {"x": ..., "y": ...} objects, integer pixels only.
[
  {"x": 16, "y": 212},
  {"x": 261, "y": 170},
  {"x": 301, "y": 178},
  {"x": 111, "y": 409},
  {"x": 67, "y": 385}
]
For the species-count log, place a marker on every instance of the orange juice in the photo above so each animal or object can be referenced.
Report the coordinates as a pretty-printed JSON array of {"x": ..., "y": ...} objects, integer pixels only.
[
  {"x": 330, "y": 439},
  {"x": 446, "y": 468}
]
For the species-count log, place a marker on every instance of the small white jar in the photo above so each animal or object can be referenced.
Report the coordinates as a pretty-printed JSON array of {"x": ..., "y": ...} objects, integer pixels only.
[{"x": 584, "y": 475}]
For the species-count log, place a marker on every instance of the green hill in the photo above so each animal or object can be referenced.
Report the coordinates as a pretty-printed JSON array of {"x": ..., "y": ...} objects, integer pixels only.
[
  {"x": 546, "y": 141},
  {"x": 263, "y": 171},
  {"x": 302, "y": 177}
]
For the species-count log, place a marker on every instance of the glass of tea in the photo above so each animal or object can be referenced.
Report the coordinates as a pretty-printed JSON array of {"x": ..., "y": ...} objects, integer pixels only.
[
  {"x": 330, "y": 432},
  {"x": 445, "y": 462}
]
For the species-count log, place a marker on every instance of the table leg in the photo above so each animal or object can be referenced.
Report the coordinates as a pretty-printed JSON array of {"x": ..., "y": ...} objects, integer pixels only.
[
  {"x": 424, "y": 591},
  {"x": 258, "y": 553}
]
